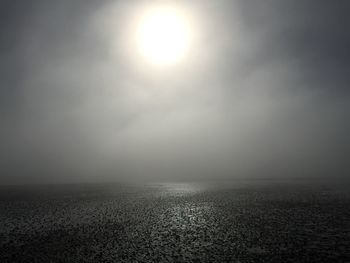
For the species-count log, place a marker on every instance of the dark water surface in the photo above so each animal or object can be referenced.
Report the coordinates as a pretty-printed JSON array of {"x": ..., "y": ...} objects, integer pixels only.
[{"x": 260, "y": 221}]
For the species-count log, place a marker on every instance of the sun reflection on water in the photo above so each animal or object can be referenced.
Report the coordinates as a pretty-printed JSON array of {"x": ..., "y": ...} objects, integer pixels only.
[
  {"x": 179, "y": 189},
  {"x": 187, "y": 212}
]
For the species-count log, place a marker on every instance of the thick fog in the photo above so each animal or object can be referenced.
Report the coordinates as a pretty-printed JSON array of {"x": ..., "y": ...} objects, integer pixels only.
[{"x": 264, "y": 93}]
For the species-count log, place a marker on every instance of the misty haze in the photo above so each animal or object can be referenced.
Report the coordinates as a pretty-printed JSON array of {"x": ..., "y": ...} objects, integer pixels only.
[{"x": 174, "y": 131}]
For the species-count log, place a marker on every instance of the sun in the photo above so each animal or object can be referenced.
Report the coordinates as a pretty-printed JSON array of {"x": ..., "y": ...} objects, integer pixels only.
[{"x": 163, "y": 36}]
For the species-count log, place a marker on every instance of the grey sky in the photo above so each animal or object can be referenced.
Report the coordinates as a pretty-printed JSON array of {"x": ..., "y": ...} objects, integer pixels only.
[{"x": 264, "y": 93}]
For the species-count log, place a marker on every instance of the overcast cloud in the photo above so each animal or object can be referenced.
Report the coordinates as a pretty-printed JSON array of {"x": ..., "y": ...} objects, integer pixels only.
[{"x": 265, "y": 93}]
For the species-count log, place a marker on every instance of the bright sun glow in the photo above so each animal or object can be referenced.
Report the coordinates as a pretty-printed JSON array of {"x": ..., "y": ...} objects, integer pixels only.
[{"x": 163, "y": 36}]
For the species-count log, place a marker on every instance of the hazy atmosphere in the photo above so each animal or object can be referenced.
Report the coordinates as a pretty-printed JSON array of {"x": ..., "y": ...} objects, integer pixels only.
[
  {"x": 262, "y": 92},
  {"x": 174, "y": 131}
]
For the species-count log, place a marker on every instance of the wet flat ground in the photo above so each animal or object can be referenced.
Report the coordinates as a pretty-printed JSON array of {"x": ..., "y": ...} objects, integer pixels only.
[{"x": 233, "y": 222}]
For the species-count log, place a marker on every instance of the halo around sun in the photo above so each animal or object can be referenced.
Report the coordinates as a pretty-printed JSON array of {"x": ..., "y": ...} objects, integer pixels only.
[{"x": 163, "y": 36}]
